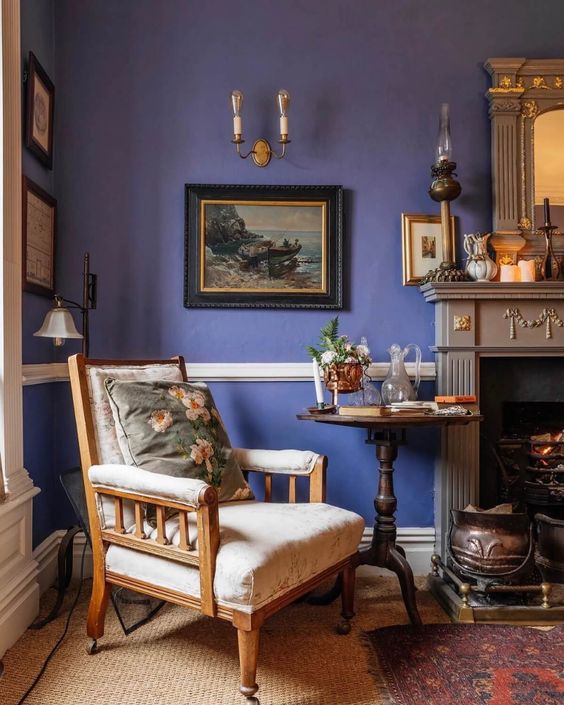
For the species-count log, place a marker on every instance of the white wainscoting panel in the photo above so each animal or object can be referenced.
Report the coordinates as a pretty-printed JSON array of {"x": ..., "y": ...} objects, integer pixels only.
[{"x": 229, "y": 372}]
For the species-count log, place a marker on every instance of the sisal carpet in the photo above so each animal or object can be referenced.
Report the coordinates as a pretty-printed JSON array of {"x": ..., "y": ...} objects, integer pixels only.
[
  {"x": 182, "y": 658},
  {"x": 449, "y": 664}
]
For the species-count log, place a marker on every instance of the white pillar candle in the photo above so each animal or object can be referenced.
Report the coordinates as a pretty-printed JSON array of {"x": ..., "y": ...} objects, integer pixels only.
[
  {"x": 509, "y": 273},
  {"x": 283, "y": 125},
  {"x": 317, "y": 382},
  {"x": 528, "y": 270},
  {"x": 237, "y": 125}
]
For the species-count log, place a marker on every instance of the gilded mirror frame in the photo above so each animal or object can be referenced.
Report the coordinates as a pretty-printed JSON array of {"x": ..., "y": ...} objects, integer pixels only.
[{"x": 522, "y": 89}]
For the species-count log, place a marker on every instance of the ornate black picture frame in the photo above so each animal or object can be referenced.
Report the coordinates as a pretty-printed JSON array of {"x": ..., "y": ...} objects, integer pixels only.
[
  {"x": 263, "y": 246},
  {"x": 40, "y": 112}
]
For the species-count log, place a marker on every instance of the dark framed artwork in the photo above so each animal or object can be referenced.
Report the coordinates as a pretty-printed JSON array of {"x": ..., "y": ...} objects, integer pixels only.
[
  {"x": 40, "y": 110},
  {"x": 39, "y": 220},
  {"x": 263, "y": 246}
]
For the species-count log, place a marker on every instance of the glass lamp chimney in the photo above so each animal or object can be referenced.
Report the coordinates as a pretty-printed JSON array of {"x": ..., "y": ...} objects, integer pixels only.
[
  {"x": 444, "y": 143},
  {"x": 237, "y": 104}
]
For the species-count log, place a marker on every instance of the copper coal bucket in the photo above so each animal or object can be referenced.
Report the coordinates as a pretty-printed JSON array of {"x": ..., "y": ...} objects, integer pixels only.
[
  {"x": 491, "y": 547},
  {"x": 549, "y": 555}
]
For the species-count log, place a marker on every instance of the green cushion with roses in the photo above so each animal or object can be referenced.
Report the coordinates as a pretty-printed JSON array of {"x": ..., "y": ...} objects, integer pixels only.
[{"x": 175, "y": 429}]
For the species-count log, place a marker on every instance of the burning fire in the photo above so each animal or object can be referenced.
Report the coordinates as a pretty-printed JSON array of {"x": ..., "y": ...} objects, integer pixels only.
[{"x": 547, "y": 443}]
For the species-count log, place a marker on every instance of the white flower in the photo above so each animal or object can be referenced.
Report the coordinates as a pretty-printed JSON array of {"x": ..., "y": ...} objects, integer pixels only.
[
  {"x": 363, "y": 350},
  {"x": 177, "y": 392},
  {"x": 160, "y": 420},
  {"x": 243, "y": 493},
  {"x": 202, "y": 451},
  {"x": 327, "y": 357},
  {"x": 194, "y": 414},
  {"x": 351, "y": 359}
]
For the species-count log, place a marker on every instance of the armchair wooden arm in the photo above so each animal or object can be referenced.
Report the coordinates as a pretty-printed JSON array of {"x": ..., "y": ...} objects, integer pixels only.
[
  {"x": 204, "y": 557},
  {"x": 292, "y": 464}
]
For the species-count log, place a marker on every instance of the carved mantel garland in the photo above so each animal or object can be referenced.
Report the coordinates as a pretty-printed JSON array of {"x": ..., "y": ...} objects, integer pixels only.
[{"x": 548, "y": 316}]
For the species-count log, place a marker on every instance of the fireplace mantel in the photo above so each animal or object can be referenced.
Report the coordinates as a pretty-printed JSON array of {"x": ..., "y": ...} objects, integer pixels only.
[
  {"x": 474, "y": 320},
  {"x": 443, "y": 291}
]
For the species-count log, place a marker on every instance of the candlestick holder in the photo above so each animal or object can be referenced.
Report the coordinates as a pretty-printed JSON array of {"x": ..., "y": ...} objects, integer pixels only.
[{"x": 550, "y": 267}]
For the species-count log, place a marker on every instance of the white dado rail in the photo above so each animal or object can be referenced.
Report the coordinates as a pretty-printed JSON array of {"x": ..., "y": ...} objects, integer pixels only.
[
  {"x": 229, "y": 372},
  {"x": 475, "y": 320}
]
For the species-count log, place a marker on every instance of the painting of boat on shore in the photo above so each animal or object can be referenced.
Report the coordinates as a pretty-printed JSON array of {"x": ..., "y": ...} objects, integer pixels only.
[{"x": 264, "y": 246}]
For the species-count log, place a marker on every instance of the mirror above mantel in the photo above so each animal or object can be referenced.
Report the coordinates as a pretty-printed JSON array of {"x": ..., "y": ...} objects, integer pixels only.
[{"x": 527, "y": 122}]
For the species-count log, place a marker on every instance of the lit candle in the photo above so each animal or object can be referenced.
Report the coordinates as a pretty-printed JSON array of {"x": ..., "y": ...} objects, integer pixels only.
[
  {"x": 510, "y": 273},
  {"x": 317, "y": 381},
  {"x": 546, "y": 211},
  {"x": 527, "y": 270}
]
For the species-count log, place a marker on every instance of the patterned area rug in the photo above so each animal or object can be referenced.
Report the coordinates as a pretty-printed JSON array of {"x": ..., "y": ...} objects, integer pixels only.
[{"x": 455, "y": 664}]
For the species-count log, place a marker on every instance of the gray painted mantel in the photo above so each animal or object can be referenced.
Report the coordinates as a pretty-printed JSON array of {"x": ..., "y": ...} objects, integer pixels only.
[{"x": 475, "y": 320}]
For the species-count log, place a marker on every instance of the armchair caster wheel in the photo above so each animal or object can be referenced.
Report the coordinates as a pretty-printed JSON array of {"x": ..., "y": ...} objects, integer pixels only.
[
  {"x": 343, "y": 628},
  {"x": 92, "y": 647},
  {"x": 252, "y": 701}
]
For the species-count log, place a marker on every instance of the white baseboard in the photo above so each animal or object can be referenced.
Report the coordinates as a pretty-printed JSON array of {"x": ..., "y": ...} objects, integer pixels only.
[
  {"x": 46, "y": 556},
  {"x": 417, "y": 542},
  {"x": 419, "y": 546}
]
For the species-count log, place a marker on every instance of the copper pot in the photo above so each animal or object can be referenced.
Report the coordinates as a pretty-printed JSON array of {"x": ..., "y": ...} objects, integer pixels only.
[
  {"x": 549, "y": 555},
  {"x": 491, "y": 545},
  {"x": 344, "y": 377}
]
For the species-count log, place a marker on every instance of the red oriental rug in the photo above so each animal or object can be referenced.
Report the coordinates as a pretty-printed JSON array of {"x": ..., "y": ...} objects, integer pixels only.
[{"x": 470, "y": 664}]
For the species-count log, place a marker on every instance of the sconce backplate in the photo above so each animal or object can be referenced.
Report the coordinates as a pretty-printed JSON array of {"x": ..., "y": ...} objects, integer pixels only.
[{"x": 261, "y": 153}]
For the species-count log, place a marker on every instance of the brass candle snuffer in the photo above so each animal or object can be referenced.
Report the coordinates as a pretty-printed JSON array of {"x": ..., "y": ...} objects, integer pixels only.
[{"x": 262, "y": 151}]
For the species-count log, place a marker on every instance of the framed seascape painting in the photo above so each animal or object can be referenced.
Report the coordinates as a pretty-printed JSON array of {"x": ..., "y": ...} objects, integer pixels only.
[
  {"x": 263, "y": 246},
  {"x": 422, "y": 245}
]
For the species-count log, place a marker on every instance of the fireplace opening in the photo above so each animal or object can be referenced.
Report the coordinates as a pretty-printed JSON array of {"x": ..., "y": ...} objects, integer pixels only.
[{"x": 522, "y": 438}]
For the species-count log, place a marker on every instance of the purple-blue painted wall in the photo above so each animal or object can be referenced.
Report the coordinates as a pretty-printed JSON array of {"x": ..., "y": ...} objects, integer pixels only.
[{"x": 142, "y": 108}]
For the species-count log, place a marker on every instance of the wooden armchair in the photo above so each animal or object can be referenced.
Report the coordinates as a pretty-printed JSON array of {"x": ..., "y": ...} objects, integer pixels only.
[{"x": 239, "y": 561}]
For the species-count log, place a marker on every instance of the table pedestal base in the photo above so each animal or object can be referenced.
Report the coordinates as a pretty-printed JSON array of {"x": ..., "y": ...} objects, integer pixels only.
[{"x": 383, "y": 551}]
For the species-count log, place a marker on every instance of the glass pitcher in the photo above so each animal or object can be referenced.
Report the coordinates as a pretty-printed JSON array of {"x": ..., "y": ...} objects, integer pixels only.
[{"x": 397, "y": 386}]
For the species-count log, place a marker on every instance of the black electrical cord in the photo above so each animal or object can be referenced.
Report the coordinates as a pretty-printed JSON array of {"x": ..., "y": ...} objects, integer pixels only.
[{"x": 63, "y": 635}]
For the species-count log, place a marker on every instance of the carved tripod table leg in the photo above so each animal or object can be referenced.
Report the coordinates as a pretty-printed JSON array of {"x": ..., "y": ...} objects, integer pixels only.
[{"x": 383, "y": 551}]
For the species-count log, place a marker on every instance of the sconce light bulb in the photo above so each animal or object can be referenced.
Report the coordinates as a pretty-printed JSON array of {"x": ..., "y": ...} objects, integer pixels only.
[
  {"x": 444, "y": 142},
  {"x": 283, "y": 102},
  {"x": 237, "y": 103}
]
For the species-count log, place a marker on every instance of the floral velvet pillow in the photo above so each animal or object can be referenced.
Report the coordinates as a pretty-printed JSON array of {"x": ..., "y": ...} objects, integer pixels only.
[{"x": 175, "y": 429}]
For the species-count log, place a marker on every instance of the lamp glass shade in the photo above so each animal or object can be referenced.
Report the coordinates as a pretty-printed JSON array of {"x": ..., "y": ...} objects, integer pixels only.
[
  {"x": 236, "y": 103},
  {"x": 283, "y": 99},
  {"x": 444, "y": 142},
  {"x": 58, "y": 323}
]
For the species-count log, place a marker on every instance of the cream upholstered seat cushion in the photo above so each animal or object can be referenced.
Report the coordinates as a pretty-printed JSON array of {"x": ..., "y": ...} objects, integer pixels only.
[{"x": 265, "y": 551}]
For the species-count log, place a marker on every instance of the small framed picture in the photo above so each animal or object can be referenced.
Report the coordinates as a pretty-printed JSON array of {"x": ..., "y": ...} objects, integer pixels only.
[
  {"x": 422, "y": 245},
  {"x": 264, "y": 246},
  {"x": 40, "y": 112},
  {"x": 39, "y": 219}
]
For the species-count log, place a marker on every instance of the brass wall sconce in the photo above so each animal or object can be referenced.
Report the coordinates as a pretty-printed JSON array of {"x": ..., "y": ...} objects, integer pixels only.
[
  {"x": 262, "y": 151},
  {"x": 59, "y": 323}
]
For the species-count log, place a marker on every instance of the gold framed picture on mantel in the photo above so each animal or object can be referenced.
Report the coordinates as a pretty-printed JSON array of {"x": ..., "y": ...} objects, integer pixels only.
[{"x": 422, "y": 245}]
